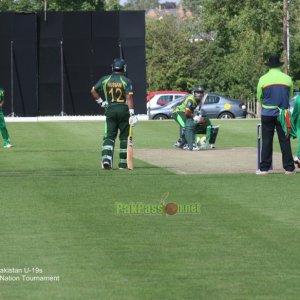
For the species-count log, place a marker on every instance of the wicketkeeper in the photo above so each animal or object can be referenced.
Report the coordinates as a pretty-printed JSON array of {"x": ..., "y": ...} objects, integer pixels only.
[
  {"x": 3, "y": 129},
  {"x": 204, "y": 126},
  {"x": 116, "y": 89}
]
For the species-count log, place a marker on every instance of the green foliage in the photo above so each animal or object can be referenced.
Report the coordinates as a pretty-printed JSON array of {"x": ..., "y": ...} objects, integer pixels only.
[
  {"x": 141, "y": 4},
  {"x": 20, "y": 5},
  {"x": 112, "y": 5},
  {"x": 295, "y": 40},
  {"x": 195, "y": 6},
  {"x": 240, "y": 37},
  {"x": 246, "y": 33},
  {"x": 52, "y": 5},
  {"x": 75, "y": 5},
  {"x": 172, "y": 59}
]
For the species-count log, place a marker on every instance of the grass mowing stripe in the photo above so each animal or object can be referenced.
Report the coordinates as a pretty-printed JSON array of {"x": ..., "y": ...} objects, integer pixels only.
[{"x": 57, "y": 212}]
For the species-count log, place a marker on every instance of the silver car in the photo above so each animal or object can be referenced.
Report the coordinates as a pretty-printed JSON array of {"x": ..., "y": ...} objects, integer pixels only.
[{"x": 215, "y": 106}]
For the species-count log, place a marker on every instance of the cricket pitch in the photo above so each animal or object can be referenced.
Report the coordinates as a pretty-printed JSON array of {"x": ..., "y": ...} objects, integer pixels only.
[{"x": 216, "y": 161}]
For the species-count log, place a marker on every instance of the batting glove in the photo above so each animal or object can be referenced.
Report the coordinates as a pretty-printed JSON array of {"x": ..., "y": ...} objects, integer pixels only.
[
  {"x": 133, "y": 120},
  {"x": 99, "y": 101},
  {"x": 104, "y": 104},
  {"x": 197, "y": 118}
]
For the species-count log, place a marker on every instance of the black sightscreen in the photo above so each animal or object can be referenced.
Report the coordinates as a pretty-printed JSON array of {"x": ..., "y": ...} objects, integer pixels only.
[
  {"x": 51, "y": 35},
  {"x": 77, "y": 62},
  {"x": 5, "y": 61},
  {"x": 105, "y": 36},
  {"x": 25, "y": 68},
  {"x": 133, "y": 44},
  {"x": 57, "y": 61}
]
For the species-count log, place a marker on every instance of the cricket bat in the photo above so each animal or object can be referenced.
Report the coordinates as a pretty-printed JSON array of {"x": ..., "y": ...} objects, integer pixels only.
[{"x": 130, "y": 150}]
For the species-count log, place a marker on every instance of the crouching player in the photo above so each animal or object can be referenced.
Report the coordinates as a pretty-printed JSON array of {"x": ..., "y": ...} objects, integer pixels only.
[{"x": 204, "y": 126}]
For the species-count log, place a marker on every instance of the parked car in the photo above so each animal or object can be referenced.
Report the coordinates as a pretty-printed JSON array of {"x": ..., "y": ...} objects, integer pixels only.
[
  {"x": 152, "y": 94},
  {"x": 161, "y": 98},
  {"x": 221, "y": 107},
  {"x": 215, "y": 106},
  {"x": 165, "y": 112}
]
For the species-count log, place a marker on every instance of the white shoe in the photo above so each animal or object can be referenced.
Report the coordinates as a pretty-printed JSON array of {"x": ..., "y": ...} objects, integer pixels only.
[
  {"x": 178, "y": 145},
  {"x": 297, "y": 161},
  {"x": 290, "y": 172},
  {"x": 212, "y": 146},
  {"x": 195, "y": 148},
  {"x": 259, "y": 172},
  {"x": 8, "y": 146}
]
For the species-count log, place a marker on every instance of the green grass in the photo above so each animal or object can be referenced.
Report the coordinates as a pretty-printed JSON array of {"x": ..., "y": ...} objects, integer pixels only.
[{"x": 57, "y": 213}]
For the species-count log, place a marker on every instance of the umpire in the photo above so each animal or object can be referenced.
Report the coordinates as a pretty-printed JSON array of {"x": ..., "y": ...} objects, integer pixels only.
[
  {"x": 274, "y": 90},
  {"x": 116, "y": 89}
]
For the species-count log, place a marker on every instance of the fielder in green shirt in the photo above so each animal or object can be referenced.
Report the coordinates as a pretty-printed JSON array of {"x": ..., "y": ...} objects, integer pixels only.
[
  {"x": 3, "y": 129},
  {"x": 116, "y": 89},
  {"x": 296, "y": 120}
]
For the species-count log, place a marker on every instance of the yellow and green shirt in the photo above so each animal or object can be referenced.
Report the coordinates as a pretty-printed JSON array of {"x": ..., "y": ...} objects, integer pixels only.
[
  {"x": 189, "y": 103},
  {"x": 274, "y": 90}
]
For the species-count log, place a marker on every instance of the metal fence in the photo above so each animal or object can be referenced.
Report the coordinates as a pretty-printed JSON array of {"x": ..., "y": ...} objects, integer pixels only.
[{"x": 252, "y": 109}]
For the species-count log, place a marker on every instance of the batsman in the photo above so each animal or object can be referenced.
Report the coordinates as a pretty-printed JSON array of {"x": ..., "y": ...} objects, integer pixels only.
[
  {"x": 183, "y": 115},
  {"x": 116, "y": 89}
]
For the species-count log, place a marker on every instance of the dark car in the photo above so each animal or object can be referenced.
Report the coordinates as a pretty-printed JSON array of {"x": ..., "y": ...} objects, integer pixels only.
[{"x": 215, "y": 106}]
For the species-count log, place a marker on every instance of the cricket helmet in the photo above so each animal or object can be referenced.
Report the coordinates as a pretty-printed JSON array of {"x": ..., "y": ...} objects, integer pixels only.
[
  {"x": 119, "y": 65},
  {"x": 198, "y": 89}
]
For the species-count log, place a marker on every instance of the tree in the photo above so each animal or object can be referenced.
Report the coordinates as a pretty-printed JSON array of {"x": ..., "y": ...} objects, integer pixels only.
[
  {"x": 173, "y": 60},
  {"x": 195, "y": 6},
  {"x": 141, "y": 4},
  {"x": 246, "y": 33},
  {"x": 112, "y": 5},
  {"x": 52, "y": 5},
  {"x": 294, "y": 53}
]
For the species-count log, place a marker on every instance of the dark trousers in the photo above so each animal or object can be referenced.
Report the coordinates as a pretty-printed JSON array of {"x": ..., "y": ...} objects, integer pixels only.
[
  {"x": 117, "y": 117},
  {"x": 268, "y": 125}
]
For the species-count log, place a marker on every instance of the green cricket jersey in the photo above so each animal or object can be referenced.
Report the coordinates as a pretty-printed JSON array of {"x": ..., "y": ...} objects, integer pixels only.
[
  {"x": 189, "y": 103},
  {"x": 115, "y": 88}
]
